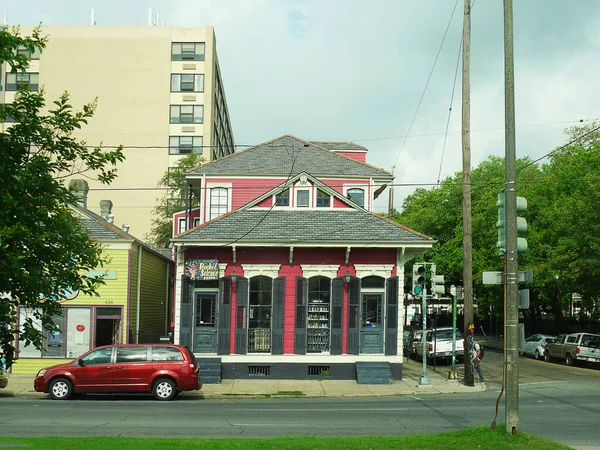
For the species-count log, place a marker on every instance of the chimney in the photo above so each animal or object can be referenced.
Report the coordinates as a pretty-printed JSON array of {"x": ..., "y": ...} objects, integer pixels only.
[
  {"x": 105, "y": 208},
  {"x": 80, "y": 188},
  {"x": 125, "y": 227}
]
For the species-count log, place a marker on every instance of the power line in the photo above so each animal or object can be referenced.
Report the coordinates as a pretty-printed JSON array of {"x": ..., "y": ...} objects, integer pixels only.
[
  {"x": 450, "y": 107},
  {"x": 426, "y": 85},
  {"x": 438, "y": 133}
]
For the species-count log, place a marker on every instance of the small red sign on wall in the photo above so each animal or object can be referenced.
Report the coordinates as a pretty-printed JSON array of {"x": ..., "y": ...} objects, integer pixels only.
[{"x": 80, "y": 328}]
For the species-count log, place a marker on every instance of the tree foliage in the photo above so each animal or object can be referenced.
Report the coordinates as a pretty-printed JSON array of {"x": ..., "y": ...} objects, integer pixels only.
[
  {"x": 173, "y": 201},
  {"x": 563, "y": 214},
  {"x": 45, "y": 251}
]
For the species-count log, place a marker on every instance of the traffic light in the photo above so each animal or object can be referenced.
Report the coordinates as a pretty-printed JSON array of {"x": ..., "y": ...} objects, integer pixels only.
[
  {"x": 418, "y": 278},
  {"x": 501, "y": 223},
  {"x": 521, "y": 225},
  {"x": 437, "y": 282}
]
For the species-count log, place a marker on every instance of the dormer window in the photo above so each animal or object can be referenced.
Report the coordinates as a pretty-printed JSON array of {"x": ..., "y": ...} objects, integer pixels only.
[
  {"x": 283, "y": 198},
  {"x": 357, "y": 196},
  {"x": 218, "y": 202},
  {"x": 323, "y": 199},
  {"x": 302, "y": 198}
]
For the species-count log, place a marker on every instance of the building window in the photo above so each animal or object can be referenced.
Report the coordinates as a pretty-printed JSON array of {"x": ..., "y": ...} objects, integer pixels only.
[
  {"x": 183, "y": 145},
  {"x": 357, "y": 196},
  {"x": 174, "y": 175},
  {"x": 35, "y": 54},
  {"x": 187, "y": 51},
  {"x": 181, "y": 227},
  {"x": 187, "y": 113},
  {"x": 218, "y": 202},
  {"x": 283, "y": 198},
  {"x": 323, "y": 199},
  {"x": 192, "y": 82},
  {"x": 302, "y": 198},
  {"x": 16, "y": 81},
  {"x": 69, "y": 339}
]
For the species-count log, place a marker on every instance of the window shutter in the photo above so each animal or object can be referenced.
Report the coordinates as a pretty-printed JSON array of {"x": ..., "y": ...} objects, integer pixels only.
[
  {"x": 241, "y": 316},
  {"x": 224, "y": 317},
  {"x": 353, "y": 316},
  {"x": 186, "y": 312},
  {"x": 337, "y": 301},
  {"x": 391, "y": 319},
  {"x": 300, "y": 328},
  {"x": 278, "y": 312}
]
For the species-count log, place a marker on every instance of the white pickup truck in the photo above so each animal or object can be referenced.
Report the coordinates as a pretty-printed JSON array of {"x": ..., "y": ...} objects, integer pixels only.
[
  {"x": 573, "y": 348},
  {"x": 439, "y": 345}
]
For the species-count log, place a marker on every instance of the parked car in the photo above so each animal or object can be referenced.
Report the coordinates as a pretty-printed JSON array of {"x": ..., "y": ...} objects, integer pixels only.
[
  {"x": 574, "y": 348},
  {"x": 535, "y": 345},
  {"x": 164, "y": 370},
  {"x": 439, "y": 345},
  {"x": 414, "y": 340}
]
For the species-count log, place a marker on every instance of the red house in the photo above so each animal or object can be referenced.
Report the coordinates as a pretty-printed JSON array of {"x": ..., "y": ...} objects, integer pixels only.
[{"x": 283, "y": 271}]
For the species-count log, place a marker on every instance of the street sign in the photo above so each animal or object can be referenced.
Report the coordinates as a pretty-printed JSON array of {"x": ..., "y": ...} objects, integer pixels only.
[
  {"x": 523, "y": 298},
  {"x": 525, "y": 276},
  {"x": 492, "y": 277}
]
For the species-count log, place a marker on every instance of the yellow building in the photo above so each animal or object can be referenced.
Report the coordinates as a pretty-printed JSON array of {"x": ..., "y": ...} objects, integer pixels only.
[
  {"x": 133, "y": 306},
  {"x": 160, "y": 95}
]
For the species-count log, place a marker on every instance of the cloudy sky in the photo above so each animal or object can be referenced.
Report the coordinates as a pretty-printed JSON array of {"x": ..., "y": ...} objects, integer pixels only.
[{"x": 350, "y": 70}]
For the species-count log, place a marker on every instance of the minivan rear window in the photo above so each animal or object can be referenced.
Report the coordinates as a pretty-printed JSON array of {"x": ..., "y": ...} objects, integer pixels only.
[{"x": 166, "y": 354}]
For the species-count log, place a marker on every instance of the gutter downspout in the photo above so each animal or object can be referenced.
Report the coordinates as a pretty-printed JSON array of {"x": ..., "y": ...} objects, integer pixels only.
[{"x": 139, "y": 282}]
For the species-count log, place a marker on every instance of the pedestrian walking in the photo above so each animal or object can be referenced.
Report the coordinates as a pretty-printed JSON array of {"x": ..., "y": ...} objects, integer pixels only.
[{"x": 476, "y": 356}]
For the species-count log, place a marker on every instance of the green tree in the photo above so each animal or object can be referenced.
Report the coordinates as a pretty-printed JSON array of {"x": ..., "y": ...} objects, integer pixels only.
[
  {"x": 44, "y": 248},
  {"x": 173, "y": 201},
  {"x": 563, "y": 199},
  {"x": 437, "y": 212},
  {"x": 565, "y": 231}
]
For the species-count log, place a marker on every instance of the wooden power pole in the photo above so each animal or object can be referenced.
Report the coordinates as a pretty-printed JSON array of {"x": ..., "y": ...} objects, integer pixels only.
[
  {"x": 511, "y": 325},
  {"x": 466, "y": 191}
]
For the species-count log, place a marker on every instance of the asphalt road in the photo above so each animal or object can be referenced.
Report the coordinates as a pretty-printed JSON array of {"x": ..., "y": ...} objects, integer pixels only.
[{"x": 562, "y": 409}]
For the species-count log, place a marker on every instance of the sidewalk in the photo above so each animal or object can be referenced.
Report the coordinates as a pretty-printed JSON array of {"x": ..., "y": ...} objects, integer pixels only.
[{"x": 22, "y": 386}]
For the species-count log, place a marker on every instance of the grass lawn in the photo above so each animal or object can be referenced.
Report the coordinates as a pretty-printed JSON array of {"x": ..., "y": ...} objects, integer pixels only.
[{"x": 473, "y": 438}]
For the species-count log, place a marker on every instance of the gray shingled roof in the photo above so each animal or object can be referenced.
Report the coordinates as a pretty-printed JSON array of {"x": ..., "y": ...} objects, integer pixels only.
[
  {"x": 289, "y": 155},
  {"x": 340, "y": 146},
  {"x": 341, "y": 226},
  {"x": 100, "y": 230}
]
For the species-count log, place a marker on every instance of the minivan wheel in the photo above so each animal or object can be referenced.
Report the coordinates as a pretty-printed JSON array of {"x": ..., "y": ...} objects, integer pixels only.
[
  {"x": 60, "y": 389},
  {"x": 164, "y": 389}
]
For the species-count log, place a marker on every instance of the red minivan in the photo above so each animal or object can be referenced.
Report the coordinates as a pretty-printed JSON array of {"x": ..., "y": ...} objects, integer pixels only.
[{"x": 165, "y": 370}]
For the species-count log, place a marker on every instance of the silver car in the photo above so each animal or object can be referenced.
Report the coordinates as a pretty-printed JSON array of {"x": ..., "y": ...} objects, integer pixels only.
[{"x": 535, "y": 345}]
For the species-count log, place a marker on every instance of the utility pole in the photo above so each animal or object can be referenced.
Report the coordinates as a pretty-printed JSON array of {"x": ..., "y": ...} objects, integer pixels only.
[
  {"x": 466, "y": 191},
  {"x": 511, "y": 324},
  {"x": 391, "y": 198}
]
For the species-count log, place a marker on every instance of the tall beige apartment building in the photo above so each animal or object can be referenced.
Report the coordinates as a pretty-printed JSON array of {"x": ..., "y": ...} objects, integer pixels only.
[{"x": 160, "y": 95}]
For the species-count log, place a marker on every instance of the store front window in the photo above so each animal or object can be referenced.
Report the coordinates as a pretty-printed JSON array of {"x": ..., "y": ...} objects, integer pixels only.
[
  {"x": 259, "y": 314},
  {"x": 318, "y": 320}
]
